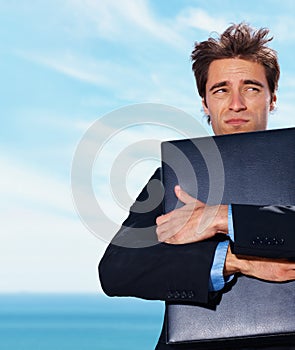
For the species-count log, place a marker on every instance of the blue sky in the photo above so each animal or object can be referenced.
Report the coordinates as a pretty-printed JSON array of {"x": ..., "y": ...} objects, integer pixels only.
[{"x": 66, "y": 63}]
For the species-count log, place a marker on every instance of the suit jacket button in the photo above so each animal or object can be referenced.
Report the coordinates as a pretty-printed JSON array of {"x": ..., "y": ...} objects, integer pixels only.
[
  {"x": 169, "y": 295},
  {"x": 259, "y": 240},
  {"x": 190, "y": 294},
  {"x": 183, "y": 294},
  {"x": 176, "y": 294}
]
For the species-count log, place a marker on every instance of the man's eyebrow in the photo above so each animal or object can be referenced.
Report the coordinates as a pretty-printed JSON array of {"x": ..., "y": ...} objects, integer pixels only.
[
  {"x": 253, "y": 82},
  {"x": 219, "y": 85},
  {"x": 245, "y": 82}
]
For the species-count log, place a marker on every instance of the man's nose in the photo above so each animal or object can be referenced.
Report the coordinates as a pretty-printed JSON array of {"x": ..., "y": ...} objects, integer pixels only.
[{"x": 237, "y": 102}]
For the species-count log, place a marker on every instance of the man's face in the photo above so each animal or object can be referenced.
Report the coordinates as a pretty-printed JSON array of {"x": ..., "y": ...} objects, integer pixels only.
[{"x": 238, "y": 98}]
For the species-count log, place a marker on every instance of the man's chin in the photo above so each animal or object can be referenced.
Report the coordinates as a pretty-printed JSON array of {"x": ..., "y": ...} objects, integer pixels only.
[
  {"x": 235, "y": 129},
  {"x": 226, "y": 129}
]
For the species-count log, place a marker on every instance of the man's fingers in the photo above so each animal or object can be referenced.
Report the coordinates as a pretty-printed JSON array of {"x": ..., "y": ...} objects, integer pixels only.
[
  {"x": 273, "y": 270},
  {"x": 162, "y": 219},
  {"x": 192, "y": 222},
  {"x": 164, "y": 233}
]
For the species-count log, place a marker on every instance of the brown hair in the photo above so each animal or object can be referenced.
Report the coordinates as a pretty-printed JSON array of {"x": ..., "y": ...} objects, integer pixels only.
[{"x": 237, "y": 41}]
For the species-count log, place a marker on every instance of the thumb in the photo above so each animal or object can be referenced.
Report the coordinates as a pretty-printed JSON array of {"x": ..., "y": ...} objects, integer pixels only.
[{"x": 185, "y": 198}]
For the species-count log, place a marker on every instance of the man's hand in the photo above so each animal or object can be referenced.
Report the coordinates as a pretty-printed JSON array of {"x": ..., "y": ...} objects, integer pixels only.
[
  {"x": 273, "y": 270},
  {"x": 193, "y": 222}
]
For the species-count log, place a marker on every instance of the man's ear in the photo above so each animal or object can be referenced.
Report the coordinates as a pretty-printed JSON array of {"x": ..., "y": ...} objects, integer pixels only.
[
  {"x": 273, "y": 103},
  {"x": 204, "y": 105}
]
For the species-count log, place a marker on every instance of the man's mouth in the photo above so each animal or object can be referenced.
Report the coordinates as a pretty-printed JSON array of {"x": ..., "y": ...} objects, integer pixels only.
[{"x": 236, "y": 121}]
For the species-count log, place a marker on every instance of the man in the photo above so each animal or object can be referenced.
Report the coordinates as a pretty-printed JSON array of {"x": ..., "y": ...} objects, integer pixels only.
[{"x": 237, "y": 77}]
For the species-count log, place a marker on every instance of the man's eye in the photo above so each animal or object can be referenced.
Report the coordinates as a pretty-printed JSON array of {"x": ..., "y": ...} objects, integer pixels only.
[
  {"x": 252, "y": 88},
  {"x": 219, "y": 91}
]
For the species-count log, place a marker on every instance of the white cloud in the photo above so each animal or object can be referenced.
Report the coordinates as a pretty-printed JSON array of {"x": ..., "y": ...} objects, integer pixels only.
[
  {"x": 149, "y": 82},
  {"x": 281, "y": 28},
  {"x": 44, "y": 252},
  {"x": 156, "y": 85},
  {"x": 58, "y": 122},
  {"x": 123, "y": 20},
  {"x": 200, "y": 19},
  {"x": 78, "y": 66},
  {"x": 44, "y": 246},
  {"x": 26, "y": 184}
]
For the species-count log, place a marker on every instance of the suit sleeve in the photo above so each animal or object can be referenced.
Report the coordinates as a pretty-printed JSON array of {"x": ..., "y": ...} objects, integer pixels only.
[
  {"x": 266, "y": 231},
  {"x": 136, "y": 264}
]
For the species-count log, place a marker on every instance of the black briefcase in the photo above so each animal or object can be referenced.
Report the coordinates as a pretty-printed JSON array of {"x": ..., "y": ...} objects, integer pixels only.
[{"x": 248, "y": 168}]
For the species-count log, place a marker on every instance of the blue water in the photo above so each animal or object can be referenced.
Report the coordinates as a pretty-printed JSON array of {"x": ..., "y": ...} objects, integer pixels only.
[{"x": 53, "y": 322}]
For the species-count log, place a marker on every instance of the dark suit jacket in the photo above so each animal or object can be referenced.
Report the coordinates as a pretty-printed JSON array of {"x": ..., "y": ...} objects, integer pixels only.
[
  {"x": 136, "y": 264},
  {"x": 266, "y": 231},
  {"x": 154, "y": 270}
]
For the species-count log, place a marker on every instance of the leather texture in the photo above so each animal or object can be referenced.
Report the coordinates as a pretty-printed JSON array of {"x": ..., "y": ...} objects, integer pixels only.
[
  {"x": 254, "y": 169},
  {"x": 252, "y": 312}
]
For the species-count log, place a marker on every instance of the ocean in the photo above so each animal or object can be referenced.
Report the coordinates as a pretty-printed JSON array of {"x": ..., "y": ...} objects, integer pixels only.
[{"x": 72, "y": 322}]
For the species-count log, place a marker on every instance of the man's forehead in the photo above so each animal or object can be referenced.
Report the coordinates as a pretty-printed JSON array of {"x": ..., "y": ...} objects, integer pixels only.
[
  {"x": 232, "y": 64},
  {"x": 236, "y": 70}
]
